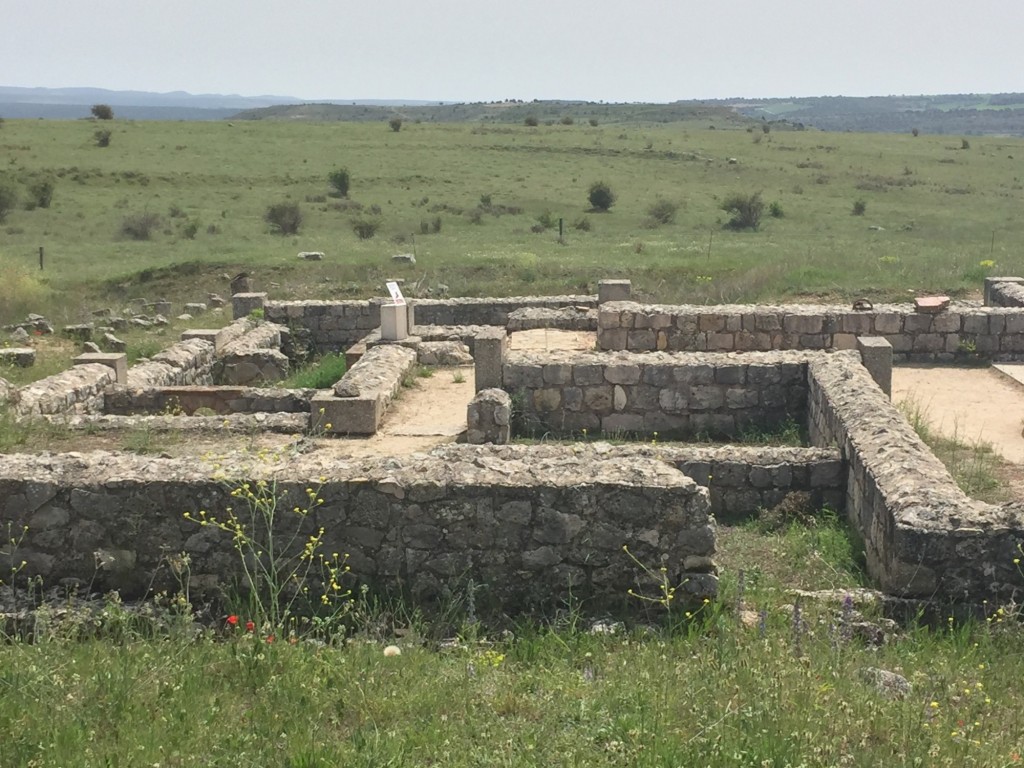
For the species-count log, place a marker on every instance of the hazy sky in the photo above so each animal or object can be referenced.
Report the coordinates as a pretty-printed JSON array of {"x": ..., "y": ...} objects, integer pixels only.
[{"x": 458, "y": 50}]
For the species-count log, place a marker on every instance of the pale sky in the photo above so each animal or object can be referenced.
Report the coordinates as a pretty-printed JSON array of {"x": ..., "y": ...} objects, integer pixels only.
[{"x": 459, "y": 50}]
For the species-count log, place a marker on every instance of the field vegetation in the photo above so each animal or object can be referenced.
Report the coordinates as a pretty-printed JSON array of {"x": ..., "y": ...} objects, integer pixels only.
[{"x": 170, "y": 209}]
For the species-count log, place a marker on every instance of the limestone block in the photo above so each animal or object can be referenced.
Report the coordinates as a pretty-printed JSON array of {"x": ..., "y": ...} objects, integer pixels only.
[
  {"x": 613, "y": 290},
  {"x": 490, "y": 347},
  {"x": 118, "y": 362},
  {"x": 244, "y": 304}
]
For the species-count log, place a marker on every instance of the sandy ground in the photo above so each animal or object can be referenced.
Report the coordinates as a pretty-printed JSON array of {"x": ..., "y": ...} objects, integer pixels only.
[
  {"x": 967, "y": 403},
  {"x": 543, "y": 338}
]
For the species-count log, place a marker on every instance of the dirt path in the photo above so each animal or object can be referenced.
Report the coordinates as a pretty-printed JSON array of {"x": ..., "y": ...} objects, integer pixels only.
[
  {"x": 970, "y": 404},
  {"x": 431, "y": 412}
]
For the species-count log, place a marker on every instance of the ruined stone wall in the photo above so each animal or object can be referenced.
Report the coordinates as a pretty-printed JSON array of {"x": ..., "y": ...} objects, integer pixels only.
[
  {"x": 77, "y": 390},
  {"x": 221, "y": 400},
  {"x": 1008, "y": 292},
  {"x": 182, "y": 364},
  {"x": 329, "y": 326},
  {"x": 923, "y": 536},
  {"x": 490, "y": 311},
  {"x": 565, "y": 393},
  {"x": 529, "y": 531},
  {"x": 961, "y": 333}
]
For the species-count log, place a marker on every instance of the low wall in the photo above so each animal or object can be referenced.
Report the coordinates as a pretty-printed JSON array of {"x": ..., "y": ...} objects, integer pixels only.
[
  {"x": 79, "y": 389},
  {"x": 923, "y": 536},
  {"x": 328, "y": 326},
  {"x": 566, "y": 393},
  {"x": 360, "y": 399},
  {"x": 530, "y": 532},
  {"x": 961, "y": 333},
  {"x": 1004, "y": 292},
  {"x": 182, "y": 364},
  {"x": 221, "y": 400},
  {"x": 489, "y": 311}
]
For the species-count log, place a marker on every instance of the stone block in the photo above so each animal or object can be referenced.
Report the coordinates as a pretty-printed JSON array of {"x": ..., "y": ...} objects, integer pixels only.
[
  {"x": 23, "y": 357},
  {"x": 622, "y": 374},
  {"x": 991, "y": 296},
  {"x": 489, "y": 349},
  {"x": 215, "y": 336},
  {"x": 244, "y": 304},
  {"x": 394, "y": 322},
  {"x": 118, "y": 362},
  {"x": 876, "y": 355},
  {"x": 614, "y": 290}
]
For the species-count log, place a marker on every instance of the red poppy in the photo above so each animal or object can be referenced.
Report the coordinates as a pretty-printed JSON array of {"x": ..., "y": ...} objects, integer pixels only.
[
  {"x": 232, "y": 620},
  {"x": 270, "y": 638},
  {"x": 250, "y": 626}
]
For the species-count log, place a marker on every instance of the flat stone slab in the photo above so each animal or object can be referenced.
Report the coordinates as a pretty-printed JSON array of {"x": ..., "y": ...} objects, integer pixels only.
[
  {"x": 23, "y": 357},
  {"x": 931, "y": 304},
  {"x": 1012, "y": 371}
]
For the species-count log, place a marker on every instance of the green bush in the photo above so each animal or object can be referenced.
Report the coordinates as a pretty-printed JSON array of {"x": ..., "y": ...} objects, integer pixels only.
[
  {"x": 662, "y": 211},
  {"x": 284, "y": 218},
  {"x": 601, "y": 196},
  {"x": 102, "y": 138},
  {"x": 775, "y": 211},
  {"x": 744, "y": 210},
  {"x": 859, "y": 208},
  {"x": 41, "y": 193},
  {"x": 593, "y": 122},
  {"x": 365, "y": 228},
  {"x": 395, "y": 123},
  {"x": 102, "y": 112},
  {"x": 582, "y": 224},
  {"x": 340, "y": 181},
  {"x": 8, "y": 199},
  {"x": 531, "y": 121},
  {"x": 139, "y": 226},
  {"x": 567, "y": 120}
]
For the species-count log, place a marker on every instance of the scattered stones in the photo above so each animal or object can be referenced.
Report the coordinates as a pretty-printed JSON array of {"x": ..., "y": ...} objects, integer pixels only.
[
  {"x": 23, "y": 357},
  {"x": 311, "y": 255},
  {"x": 404, "y": 258},
  {"x": 215, "y": 300},
  {"x": 141, "y": 322},
  {"x": 114, "y": 344},
  {"x": 104, "y": 312},
  {"x": 184, "y": 317},
  {"x": 195, "y": 308},
  {"x": 19, "y": 335},
  {"x": 888, "y": 684},
  {"x": 81, "y": 332},
  {"x": 160, "y": 320},
  {"x": 7, "y": 390},
  {"x": 443, "y": 353},
  {"x": 90, "y": 346}
]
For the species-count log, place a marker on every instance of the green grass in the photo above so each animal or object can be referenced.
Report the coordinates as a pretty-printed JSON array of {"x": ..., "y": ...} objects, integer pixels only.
[
  {"x": 318, "y": 374},
  {"x": 938, "y": 209},
  {"x": 748, "y": 680}
]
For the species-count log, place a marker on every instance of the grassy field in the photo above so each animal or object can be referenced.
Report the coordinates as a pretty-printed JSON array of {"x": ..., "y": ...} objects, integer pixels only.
[
  {"x": 759, "y": 678},
  {"x": 937, "y": 217}
]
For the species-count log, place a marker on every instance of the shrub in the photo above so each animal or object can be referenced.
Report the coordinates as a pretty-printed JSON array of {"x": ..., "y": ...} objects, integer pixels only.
[
  {"x": 435, "y": 225},
  {"x": 601, "y": 196},
  {"x": 340, "y": 181},
  {"x": 965, "y": 144},
  {"x": 567, "y": 120},
  {"x": 582, "y": 224},
  {"x": 765, "y": 128},
  {"x": 593, "y": 122},
  {"x": 190, "y": 230},
  {"x": 662, "y": 211},
  {"x": 915, "y": 132},
  {"x": 744, "y": 210},
  {"x": 284, "y": 218},
  {"x": 775, "y": 211},
  {"x": 140, "y": 226},
  {"x": 102, "y": 138},
  {"x": 8, "y": 199},
  {"x": 547, "y": 220},
  {"x": 41, "y": 193},
  {"x": 395, "y": 123},
  {"x": 859, "y": 208},
  {"x": 531, "y": 121},
  {"x": 365, "y": 228},
  {"x": 102, "y": 112}
]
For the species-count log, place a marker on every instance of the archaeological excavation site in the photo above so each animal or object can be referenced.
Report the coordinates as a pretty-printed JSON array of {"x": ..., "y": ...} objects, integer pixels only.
[{"x": 549, "y": 449}]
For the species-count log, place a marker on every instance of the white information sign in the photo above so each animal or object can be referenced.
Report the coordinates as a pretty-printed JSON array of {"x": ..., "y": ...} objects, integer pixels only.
[{"x": 396, "y": 293}]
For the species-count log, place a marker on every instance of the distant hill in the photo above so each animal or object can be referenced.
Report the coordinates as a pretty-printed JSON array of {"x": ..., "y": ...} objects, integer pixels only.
[{"x": 971, "y": 113}]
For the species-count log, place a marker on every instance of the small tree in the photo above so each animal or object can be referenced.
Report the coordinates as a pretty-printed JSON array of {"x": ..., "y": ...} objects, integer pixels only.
[
  {"x": 102, "y": 112},
  {"x": 661, "y": 211},
  {"x": 859, "y": 208},
  {"x": 531, "y": 121},
  {"x": 601, "y": 196},
  {"x": 915, "y": 132},
  {"x": 339, "y": 180},
  {"x": 744, "y": 210},
  {"x": 395, "y": 123},
  {"x": 42, "y": 193},
  {"x": 366, "y": 228},
  {"x": 284, "y": 218},
  {"x": 8, "y": 199}
]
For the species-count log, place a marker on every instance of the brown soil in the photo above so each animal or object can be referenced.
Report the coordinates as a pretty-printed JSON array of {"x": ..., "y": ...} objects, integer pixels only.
[{"x": 544, "y": 338}]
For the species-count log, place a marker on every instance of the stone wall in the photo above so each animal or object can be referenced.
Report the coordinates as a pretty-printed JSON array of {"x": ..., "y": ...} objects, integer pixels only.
[
  {"x": 254, "y": 356},
  {"x": 923, "y": 536},
  {"x": 77, "y": 390},
  {"x": 182, "y": 364},
  {"x": 489, "y": 311},
  {"x": 221, "y": 400},
  {"x": 358, "y": 402},
  {"x": 1004, "y": 292},
  {"x": 567, "y": 393},
  {"x": 963, "y": 332},
  {"x": 328, "y": 326},
  {"x": 530, "y": 532}
]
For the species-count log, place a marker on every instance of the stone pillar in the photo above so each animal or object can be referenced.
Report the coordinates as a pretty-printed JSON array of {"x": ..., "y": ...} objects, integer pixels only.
[
  {"x": 614, "y": 290},
  {"x": 241, "y": 283},
  {"x": 244, "y": 304},
  {"x": 489, "y": 350},
  {"x": 394, "y": 322},
  {"x": 876, "y": 355},
  {"x": 119, "y": 362},
  {"x": 488, "y": 416},
  {"x": 991, "y": 281}
]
